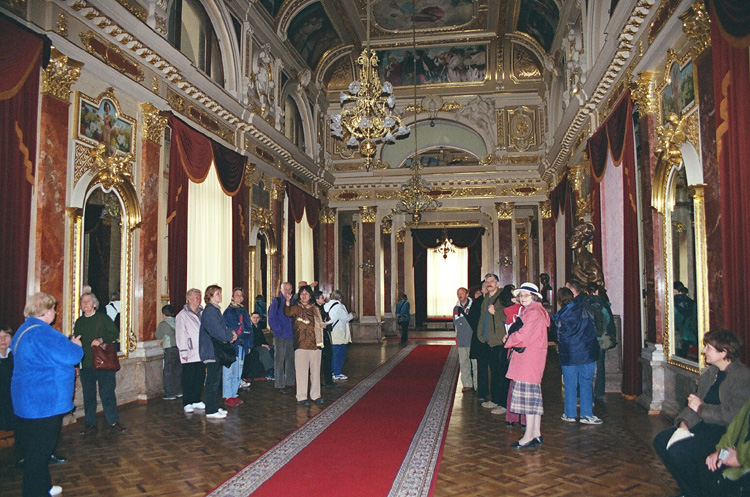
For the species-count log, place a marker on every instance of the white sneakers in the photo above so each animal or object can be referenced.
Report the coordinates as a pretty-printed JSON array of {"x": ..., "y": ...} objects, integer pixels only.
[
  {"x": 489, "y": 404},
  {"x": 591, "y": 420},
  {"x": 340, "y": 377},
  {"x": 189, "y": 408},
  {"x": 499, "y": 410},
  {"x": 199, "y": 405},
  {"x": 196, "y": 405},
  {"x": 217, "y": 415},
  {"x": 55, "y": 490},
  {"x": 568, "y": 418},
  {"x": 244, "y": 384}
]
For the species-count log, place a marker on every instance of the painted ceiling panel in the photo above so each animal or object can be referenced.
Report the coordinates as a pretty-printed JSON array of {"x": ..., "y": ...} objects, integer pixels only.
[{"x": 312, "y": 34}]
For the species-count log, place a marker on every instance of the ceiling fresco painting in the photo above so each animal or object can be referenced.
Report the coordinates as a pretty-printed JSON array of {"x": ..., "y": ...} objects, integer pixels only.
[
  {"x": 401, "y": 15},
  {"x": 435, "y": 65},
  {"x": 312, "y": 34},
  {"x": 538, "y": 19}
]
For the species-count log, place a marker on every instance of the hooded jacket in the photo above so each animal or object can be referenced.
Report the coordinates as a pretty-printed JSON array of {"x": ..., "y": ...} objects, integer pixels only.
[
  {"x": 576, "y": 333},
  {"x": 277, "y": 321}
]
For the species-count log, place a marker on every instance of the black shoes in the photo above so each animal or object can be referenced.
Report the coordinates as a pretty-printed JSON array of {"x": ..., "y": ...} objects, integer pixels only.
[
  {"x": 89, "y": 430},
  {"x": 303, "y": 403},
  {"x": 534, "y": 443},
  {"x": 53, "y": 459},
  {"x": 117, "y": 427},
  {"x": 319, "y": 400}
]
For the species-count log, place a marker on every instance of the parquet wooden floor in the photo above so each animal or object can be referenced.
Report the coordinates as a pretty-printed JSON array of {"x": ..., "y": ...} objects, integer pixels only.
[{"x": 168, "y": 453}]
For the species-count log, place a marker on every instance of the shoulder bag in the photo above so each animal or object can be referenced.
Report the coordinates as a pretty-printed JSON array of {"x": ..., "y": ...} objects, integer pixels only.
[
  {"x": 224, "y": 352},
  {"x": 104, "y": 355}
]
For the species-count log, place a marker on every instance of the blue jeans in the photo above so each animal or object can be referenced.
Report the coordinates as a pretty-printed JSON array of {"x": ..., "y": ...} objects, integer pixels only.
[
  {"x": 231, "y": 376},
  {"x": 339, "y": 356},
  {"x": 106, "y": 379},
  {"x": 579, "y": 381}
]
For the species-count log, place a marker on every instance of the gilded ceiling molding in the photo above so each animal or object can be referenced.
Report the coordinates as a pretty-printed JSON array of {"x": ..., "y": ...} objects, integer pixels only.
[
  {"x": 525, "y": 67},
  {"x": 504, "y": 210},
  {"x": 153, "y": 123},
  {"x": 643, "y": 93},
  {"x": 545, "y": 209},
  {"x": 328, "y": 215},
  {"x": 626, "y": 42},
  {"x": 522, "y": 128},
  {"x": 696, "y": 25},
  {"x": 60, "y": 75},
  {"x": 367, "y": 213}
]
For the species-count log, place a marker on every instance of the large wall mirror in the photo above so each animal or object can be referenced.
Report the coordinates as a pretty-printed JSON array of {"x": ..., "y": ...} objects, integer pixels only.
[
  {"x": 101, "y": 238},
  {"x": 678, "y": 195}
]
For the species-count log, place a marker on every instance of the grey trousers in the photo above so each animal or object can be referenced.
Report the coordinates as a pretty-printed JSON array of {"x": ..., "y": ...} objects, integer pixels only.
[{"x": 283, "y": 362}]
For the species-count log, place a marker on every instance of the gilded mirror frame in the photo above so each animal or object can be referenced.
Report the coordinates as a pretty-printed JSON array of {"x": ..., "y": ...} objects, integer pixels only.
[{"x": 676, "y": 151}]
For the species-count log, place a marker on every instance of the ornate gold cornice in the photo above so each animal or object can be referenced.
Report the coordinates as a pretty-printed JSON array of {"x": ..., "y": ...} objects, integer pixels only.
[
  {"x": 112, "y": 55},
  {"x": 697, "y": 26},
  {"x": 327, "y": 215},
  {"x": 504, "y": 210},
  {"x": 153, "y": 123},
  {"x": 643, "y": 93},
  {"x": 545, "y": 209},
  {"x": 367, "y": 213},
  {"x": 60, "y": 75}
]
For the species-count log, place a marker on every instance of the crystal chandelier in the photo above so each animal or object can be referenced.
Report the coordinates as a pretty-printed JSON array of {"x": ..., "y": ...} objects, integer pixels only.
[
  {"x": 416, "y": 195},
  {"x": 445, "y": 245},
  {"x": 370, "y": 121}
]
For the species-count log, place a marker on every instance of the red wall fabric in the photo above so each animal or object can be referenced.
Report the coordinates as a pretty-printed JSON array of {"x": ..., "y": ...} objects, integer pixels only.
[
  {"x": 732, "y": 97},
  {"x": 20, "y": 61}
]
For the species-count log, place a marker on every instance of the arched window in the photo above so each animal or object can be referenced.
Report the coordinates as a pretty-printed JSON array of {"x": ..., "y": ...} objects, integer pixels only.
[
  {"x": 191, "y": 32},
  {"x": 293, "y": 125}
]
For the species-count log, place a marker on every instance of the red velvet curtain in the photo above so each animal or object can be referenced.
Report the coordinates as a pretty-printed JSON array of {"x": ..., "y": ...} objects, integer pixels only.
[
  {"x": 21, "y": 54},
  {"x": 732, "y": 97},
  {"x": 470, "y": 238},
  {"x": 299, "y": 202},
  {"x": 733, "y": 19},
  {"x": 190, "y": 158},
  {"x": 615, "y": 137}
]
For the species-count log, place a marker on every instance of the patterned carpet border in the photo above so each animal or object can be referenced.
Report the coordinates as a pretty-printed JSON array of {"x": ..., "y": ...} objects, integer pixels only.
[
  {"x": 248, "y": 479},
  {"x": 415, "y": 476}
]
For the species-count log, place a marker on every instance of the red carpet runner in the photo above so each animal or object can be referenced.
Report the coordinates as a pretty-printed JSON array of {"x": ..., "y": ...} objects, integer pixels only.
[{"x": 382, "y": 438}]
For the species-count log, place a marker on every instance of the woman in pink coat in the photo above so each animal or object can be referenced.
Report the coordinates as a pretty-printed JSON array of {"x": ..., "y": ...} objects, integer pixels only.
[{"x": 527, "y": 366}]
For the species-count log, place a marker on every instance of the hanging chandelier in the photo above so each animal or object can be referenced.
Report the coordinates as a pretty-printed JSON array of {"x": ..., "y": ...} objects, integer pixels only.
[
  {"x": 371, "y": 120},
  {"x": 416, "y": 195},
  {"x": 445, "y": 245}
]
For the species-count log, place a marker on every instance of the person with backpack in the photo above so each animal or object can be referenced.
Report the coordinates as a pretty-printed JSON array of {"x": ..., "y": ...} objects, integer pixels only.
[
  {"x": 341, "y": 334},
  {"x": 606, "y": 333}
]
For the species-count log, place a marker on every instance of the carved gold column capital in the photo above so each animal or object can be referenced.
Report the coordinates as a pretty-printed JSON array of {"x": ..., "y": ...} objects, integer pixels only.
[
  {"x": 697, "y": 26},
  {"x": 327, "y": 215},
  {"x": 367, "y": 213},
  {"x": 60, "y": 75},
  {"x": 278, "y": 186},
  {"x": 545, "y": 209},
  {"x": 505, "y": 210},
  {"x": 575, "y": 176},
  {"x": 386, "y": 226},
  {"x": 153, "y": 123},
  {"x": 643, "y": 92},
  {"x": 401, "y": 235}
]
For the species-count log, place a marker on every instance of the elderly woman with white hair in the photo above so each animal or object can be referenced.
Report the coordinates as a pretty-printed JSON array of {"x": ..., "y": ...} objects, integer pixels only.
[
  {"x": 527, "y": 361},
  {"x": 95, "y": 328}
]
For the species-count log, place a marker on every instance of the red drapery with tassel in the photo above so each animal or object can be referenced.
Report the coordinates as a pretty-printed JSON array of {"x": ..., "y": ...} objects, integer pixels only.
[
  {"x": 730, "y": 21},
  {"x": 21, "y": 54},
  {"x": 615, "y": 138}
]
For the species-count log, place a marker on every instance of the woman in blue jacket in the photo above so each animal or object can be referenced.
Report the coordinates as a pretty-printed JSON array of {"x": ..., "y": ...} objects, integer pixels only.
[
  {"x": 578, "y": 351},
  {"x": 213, "y": 325},
  {"x": 41, "y": 389}
]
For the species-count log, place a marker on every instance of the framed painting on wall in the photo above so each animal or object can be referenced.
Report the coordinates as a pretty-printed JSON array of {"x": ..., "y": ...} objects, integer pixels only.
[{"x": 100, "y": 120}]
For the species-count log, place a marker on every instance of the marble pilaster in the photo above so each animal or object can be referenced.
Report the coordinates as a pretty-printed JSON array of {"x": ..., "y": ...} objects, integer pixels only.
[
  {"x": 505, "y": 241},
  {"x": 52, "y": 174},
  {"x": 278, "y": 188},
  {"x": 400, "y": 255},
  {"x": 651, "y": 230},
  {"x": 327, "y": 250},
  {"x": 548, "y": 246},
  {"x": 147, "y": 307}
]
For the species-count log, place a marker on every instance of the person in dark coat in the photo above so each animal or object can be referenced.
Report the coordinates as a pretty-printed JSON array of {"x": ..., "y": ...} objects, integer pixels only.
[
  {"x": 478, "y": 351},
  {"x": 575, "y": 332},
  {"x": 213, "y": 325}
]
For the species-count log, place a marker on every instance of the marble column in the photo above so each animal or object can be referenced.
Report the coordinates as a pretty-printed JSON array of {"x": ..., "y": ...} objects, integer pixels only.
[
  {"x": 505, "y": 241},
  {"x": 147, "y": 309},
  {"x": 52, "y": 176},
  {"x": 548, "y": 246},
  {"x": 385, "y": 241},
  {"x": 524, "y": 253},
  {"x": 278, "y": 187},
  {"x": 327, "y": 250},
  {"x": 368, "y": 328},
  {"x": 400, "y": 258}
]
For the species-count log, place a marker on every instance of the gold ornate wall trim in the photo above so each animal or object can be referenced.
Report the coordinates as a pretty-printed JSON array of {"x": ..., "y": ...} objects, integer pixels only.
[
  {"x": 696, "y": 25},
  {"x": 200, "y": 116},
  {"x": 327, "y": 215},
  {"x": 671, "y": 137},
  {"x": 401, "y": 235},
  {"x": 663, "y": 14},
  {"x": 153, "y": 123},
  {"x": 621, "y": 59},
  {"x": 545, "y": 209},
  {"x": 18, "y": 7},
  {"x": 504, "y": 210},
  {"x": 643, "y": 93},
  {"x": 368, "y": 213},
  {"x": 112, "y": 55},
  {"x": 61, "y": 73}
]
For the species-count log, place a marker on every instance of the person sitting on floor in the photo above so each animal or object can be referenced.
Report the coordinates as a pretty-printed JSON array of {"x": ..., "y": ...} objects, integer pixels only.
[
  {"x": 258, "y": 361},
  {"x": 723, "y": 388}
]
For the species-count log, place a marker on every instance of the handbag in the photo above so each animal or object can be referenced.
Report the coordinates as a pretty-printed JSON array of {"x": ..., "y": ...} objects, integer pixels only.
[
  {"x": 104, "y": 357},
  {"x": 224, "y": 352}
]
